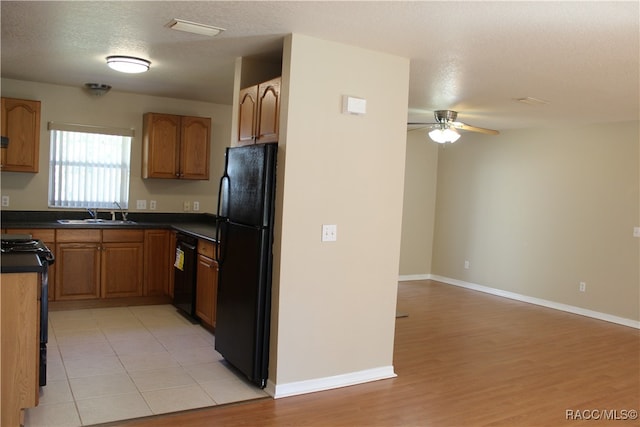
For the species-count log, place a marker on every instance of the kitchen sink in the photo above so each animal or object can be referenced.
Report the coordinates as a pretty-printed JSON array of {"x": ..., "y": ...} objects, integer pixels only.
[{"x": 95, "y": 221}]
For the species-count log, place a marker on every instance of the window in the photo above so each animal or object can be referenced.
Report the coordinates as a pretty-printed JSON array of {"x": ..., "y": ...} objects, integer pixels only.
[{"x": 89, "y": 166}]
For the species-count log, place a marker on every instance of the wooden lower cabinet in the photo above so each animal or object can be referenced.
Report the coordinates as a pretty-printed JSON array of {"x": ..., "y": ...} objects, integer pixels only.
[
  {"x": 19, "y": 353},
  {"x": 77, "y": 271},
  {"x": 77, "y": 264},
  {"x": 122, "y": 258},
  {"x": 121, "y": 269},
  {"x": 94, "y": 263},
  {"x": 158, "y": 266},
  {"x": 206, "y": 284}
]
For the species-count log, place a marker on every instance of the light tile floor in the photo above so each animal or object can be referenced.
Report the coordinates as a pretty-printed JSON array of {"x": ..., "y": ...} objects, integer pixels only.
[{"x": 112, "y": 364}]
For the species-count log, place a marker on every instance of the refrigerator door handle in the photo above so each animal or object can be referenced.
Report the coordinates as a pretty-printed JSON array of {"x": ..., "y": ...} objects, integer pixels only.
[
  {"x": 223, "y": 197},
  {"x": 223, "y": 203},
  {"x": 221, "y": 233}
]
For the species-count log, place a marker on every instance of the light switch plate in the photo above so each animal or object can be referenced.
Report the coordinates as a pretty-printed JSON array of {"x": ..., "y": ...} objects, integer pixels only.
[
  {"x": 329, "y": 232},
  {"x": 353, "y": 105},
  {"x": 636, "y": 230},
  {"x": 141, "y": 204},
  {"x": 5, "y": 201}
]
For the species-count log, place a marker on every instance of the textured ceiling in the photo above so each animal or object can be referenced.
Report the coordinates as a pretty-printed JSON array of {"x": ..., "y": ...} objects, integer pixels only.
[{"x": 474, "y": 57}]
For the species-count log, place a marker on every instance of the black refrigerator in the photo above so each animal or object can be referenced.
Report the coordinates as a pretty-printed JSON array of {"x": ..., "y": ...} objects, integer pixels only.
[{"x": 246, "y": 200}]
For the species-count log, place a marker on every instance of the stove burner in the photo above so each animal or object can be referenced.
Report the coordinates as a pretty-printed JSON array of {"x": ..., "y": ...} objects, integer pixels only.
[
  {"x": 19, "y": 242},
  {"x": 27, "y": 245},
  {"x": 21, "y": 246}
]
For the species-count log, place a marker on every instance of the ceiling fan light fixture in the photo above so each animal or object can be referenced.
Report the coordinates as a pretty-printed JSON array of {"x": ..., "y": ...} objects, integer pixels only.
[
  {"x": 128, "y": 64},
  {"x": 442, "y": 136},
  {"x": 194, "y": 27}
]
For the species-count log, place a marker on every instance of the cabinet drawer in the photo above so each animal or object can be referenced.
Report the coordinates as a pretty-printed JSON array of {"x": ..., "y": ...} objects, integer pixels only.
[
  {"x": 206, "y": 248},
  {"x": 120, "y": 235},
  {"x": 47, "y": 235},
  {"x": 78, "y": 235}
]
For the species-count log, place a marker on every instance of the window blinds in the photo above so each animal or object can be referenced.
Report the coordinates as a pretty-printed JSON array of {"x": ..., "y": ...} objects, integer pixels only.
[{"x": 89, "y": 166}]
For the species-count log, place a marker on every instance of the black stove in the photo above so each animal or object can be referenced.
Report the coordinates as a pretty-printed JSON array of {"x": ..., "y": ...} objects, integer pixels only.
[
  {"x": 24, "y": 243},
  {"x": 13, "y": 243}
]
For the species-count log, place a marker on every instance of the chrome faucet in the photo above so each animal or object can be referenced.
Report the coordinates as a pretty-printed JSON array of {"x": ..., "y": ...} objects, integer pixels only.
[
  {"x": 93, "y": 212},
  {"x": 122, "y": 212}
]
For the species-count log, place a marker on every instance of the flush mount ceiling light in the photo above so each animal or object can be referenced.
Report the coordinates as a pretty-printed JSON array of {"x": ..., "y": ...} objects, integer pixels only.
[
  {"x": 128, "y": 64},
  {"x": 194, "y": 27},
  {"x": 444, "y": 134}
]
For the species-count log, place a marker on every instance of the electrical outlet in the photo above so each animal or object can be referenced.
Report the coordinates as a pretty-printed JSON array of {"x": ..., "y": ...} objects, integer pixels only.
[
  {"x": 329, "y": 233},
  {"x": 141, "y": 204},
  {"x": 636, "y": 230},
  {"x": 466, "y": 265},
  {"x": 5, "y": 201},
  {"x": 186, "y": 206},
  {"x": 582, "y": 287},
  {"x": 152, "y": 205},
  {"x": 196, "y": 206}
]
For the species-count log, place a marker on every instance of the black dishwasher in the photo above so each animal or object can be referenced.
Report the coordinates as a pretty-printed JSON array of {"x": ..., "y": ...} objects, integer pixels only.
[{"x": 184, "y": 286}]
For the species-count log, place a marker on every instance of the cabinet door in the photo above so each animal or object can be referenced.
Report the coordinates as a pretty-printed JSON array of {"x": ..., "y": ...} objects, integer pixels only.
[
  {"x": 160, "y": 146},
  {"x": 247, "y": 115},
  {"x": 268, "y": 111},
  {"x": 122, "y": 269},
  {"x": 194, "y": 149},
  {"x": 157, "y": 262},
  {"x": 206, "y": 290},
  {"x": 77, "y": 271},
  {"x": 21, "y": 124},
  {"x": 20, "y": 346}
]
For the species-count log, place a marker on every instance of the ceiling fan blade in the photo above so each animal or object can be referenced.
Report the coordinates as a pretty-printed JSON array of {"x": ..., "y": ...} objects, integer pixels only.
[
  {"x": 463, "y": 126},
  {"x": 419, "y": 125}
]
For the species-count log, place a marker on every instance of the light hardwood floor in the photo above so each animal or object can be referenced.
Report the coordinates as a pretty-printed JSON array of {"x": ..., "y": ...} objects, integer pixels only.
[{"x": 465, "y": 358}]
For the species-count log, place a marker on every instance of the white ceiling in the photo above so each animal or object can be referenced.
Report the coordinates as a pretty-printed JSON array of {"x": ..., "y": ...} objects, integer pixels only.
[{"x": 475, "y": 57}]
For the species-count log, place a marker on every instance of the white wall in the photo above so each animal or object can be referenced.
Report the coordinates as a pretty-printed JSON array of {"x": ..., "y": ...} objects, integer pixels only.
[
  {"x": 419, "y": 212},
  {"x": 335, "y": 302},
  {"x": 123, "y": 110},
  {"x": 535, "y": 212}
]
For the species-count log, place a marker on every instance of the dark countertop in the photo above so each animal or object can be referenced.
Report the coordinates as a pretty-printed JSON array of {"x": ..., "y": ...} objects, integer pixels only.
[
  {"x": 202, "y": 226},
  {"x": 20, "y": 263}
]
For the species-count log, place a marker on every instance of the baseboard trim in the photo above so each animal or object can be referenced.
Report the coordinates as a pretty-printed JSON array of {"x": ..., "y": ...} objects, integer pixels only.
[
  {"x": 327, "y": 383},
  {"x": 531, "y": 300},
  {"x": 412, "y": 277}
]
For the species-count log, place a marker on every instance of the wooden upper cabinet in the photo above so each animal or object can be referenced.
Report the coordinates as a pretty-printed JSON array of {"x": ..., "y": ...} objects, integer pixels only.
[
  {"x": 194, "y": 149},
  {"x": 21, "y": 124},
  {"x": 175, "y": 147},
  {"x": 259, "y": 113},
  {"x": 247, "y": 115},
  {"x": 160, "y": 145},
  {"x": 268, "y": 111}
]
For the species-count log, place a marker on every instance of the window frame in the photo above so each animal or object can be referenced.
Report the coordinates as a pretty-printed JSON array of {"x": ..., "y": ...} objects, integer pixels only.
[{"x": 118, "y": 169}]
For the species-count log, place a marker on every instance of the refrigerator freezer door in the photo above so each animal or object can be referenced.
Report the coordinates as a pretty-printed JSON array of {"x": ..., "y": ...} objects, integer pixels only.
[
  {"x": 244, "y": 299},
  {"x": 250, "y": 182}
]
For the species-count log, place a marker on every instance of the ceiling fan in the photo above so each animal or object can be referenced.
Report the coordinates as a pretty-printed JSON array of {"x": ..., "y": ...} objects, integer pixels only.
[{"x": 444, "y": 129}]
